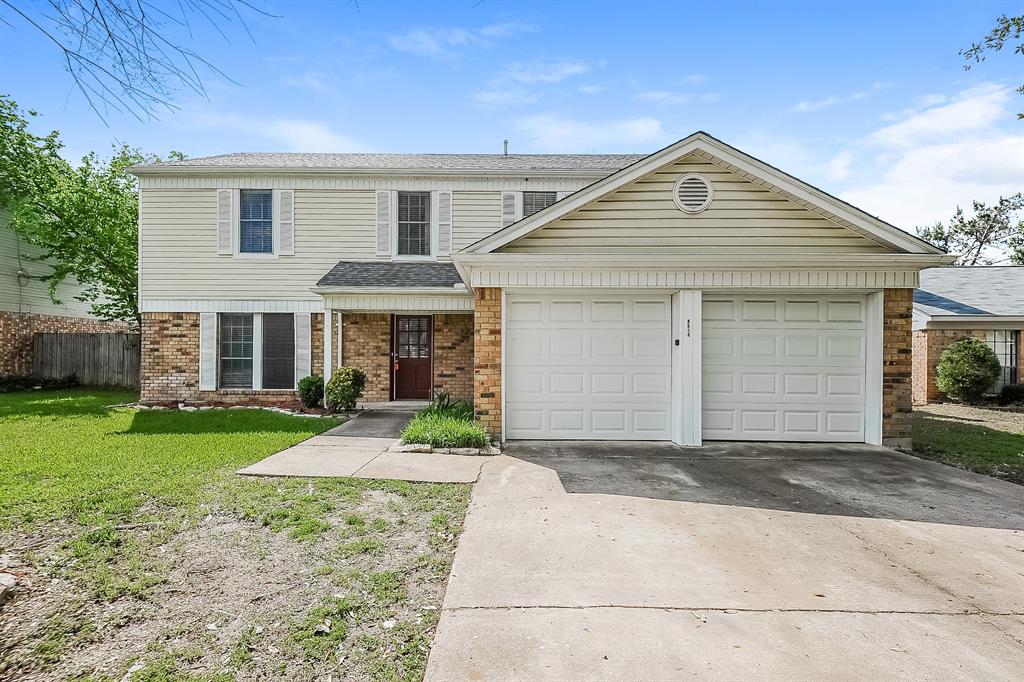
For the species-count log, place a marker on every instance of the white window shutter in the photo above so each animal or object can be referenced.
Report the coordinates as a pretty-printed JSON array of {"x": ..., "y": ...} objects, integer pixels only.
[
  {"x": 384, "y": 210},
  {"x": 225, "y": 221},
  {"x": 303, "y": 346},
  {"x": 508, "y": 208},
  {"x": 444, "y": 223},
  {"x": 286, "y": 221},
  {"x": 208, "y": 351}
]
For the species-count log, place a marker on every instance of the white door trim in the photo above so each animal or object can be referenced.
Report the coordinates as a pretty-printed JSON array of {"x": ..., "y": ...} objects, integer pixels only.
[
  {"x": 686, "y": 367},
  {"x": 874, "y": 348}
]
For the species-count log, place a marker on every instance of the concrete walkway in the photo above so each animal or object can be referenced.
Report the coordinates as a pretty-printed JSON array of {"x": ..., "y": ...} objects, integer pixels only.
[
  {"x": 554, "y": 586},
  {"x": 359, "y": 449}
]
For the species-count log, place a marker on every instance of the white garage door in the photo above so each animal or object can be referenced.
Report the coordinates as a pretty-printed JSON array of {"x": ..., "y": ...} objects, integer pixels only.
[
  {"x": 787, "y": 368},
  {"x": 586, "y": 366}
]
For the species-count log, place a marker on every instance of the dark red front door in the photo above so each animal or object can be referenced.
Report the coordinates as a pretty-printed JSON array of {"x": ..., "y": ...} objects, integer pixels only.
[{"x": 412, "y": 355}]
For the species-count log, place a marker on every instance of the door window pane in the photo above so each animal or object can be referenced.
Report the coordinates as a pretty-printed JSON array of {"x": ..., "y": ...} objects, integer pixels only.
[
  {"x": 235, "y": 350},
  {"x": 414, "y": 337}
]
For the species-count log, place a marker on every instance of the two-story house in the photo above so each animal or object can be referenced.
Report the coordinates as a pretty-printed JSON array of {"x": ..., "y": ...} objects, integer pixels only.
[{"x": 693, "y": 294}]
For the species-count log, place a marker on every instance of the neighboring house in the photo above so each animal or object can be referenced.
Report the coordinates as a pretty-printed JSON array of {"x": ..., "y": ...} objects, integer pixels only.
[
  {"x": 693, "y": 294},
  {"x": 954, "y": 303},
  {"x": 26, "y": 307}
]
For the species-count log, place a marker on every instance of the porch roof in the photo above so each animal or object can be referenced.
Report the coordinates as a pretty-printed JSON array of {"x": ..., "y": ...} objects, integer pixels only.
[{"x": 392, "y": 275}]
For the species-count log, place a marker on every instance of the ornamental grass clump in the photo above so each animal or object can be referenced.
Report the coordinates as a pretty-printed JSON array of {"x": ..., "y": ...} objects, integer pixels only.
[{"x": 442, "y": 431}]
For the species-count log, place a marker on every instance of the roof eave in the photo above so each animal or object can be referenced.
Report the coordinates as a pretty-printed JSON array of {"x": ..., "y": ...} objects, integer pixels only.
[
  {"x": 153, "y": 170},
  {"x": 411, "y": 291}
]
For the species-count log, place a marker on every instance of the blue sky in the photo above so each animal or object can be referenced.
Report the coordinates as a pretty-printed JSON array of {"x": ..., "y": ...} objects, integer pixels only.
[{"x": 865, "y": 100}]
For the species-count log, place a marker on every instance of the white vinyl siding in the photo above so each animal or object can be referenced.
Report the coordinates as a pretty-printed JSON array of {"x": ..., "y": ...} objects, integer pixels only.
[
  {"x": 179, "y": 247},
  {"x": 22, "y": 294},
  {"x": 641, "y": 217},
  {"x": 475, "y": 215}
]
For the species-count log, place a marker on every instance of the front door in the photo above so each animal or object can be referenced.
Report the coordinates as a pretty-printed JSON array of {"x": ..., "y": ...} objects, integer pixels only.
[{"x": 412, "y": 356}]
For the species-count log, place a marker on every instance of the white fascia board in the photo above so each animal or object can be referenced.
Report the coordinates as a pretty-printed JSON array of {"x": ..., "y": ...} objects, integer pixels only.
[
  {"x": 466, "y": 261},
  {"x": 871, "y": 226},
  {"x": 393, "y": 291},
  {"x": 974, "y": 321}
]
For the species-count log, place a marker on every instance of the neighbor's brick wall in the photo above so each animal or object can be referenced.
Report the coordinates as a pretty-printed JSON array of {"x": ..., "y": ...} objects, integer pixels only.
[
  {"x": 897, "y": 365},
  {"x": 928, "y": 347},
  {"x": 487, "y": 359},
  {"x": 16, "y": 330},
  {"x": 367, "y": 345},
  {"x": 453, "y": 355}
]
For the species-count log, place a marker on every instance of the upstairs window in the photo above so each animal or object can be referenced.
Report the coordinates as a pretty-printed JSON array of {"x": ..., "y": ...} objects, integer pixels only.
[
  {"x": 537, "y": 201},
  {"x": 255, "y": 221},
  {"x": 413, "y": 224},
  {"x": 235, "y": 350}
]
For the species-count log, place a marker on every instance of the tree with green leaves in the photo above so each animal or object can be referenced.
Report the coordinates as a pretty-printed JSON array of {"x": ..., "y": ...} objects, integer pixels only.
[
  {"x": 84, "y": 218},
  {"x": 994, "y": 235},
  {"x": 1007, "y": 29}
]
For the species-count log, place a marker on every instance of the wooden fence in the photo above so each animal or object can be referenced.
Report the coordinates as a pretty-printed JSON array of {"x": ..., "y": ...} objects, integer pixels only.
[{"x": 96, "y": 359}]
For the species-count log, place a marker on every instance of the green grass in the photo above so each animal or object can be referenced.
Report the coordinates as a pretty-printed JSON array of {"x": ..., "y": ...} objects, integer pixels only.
[
  {"x": 442, "y": 431},
  {"x": 969, "y": 446}
]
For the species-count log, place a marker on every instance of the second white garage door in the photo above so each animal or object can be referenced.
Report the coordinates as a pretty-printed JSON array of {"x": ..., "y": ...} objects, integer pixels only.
[
  {"x": 788, "y": 368},
  {"x": 586, "y": 366}
]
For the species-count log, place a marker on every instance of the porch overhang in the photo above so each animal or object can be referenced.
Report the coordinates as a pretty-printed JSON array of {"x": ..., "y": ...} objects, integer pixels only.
[{"x": 396, "y": 300}]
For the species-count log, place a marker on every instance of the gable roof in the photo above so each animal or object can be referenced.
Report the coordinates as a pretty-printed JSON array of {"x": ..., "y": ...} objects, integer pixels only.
[
  {"x": 975, "y": 291},
  {"x": 497, "y": 163},
  {"x": 385, "y": 275},
  {"x": 734, "y": 160}
]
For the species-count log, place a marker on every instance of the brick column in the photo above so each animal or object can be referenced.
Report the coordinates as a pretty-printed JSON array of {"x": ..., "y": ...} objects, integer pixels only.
[
  {"x": 897, "y": 359},
  {"x": 170, "y": 357},
  {"x": 487, "y": 359},
  {"x": 453, "y": 355}
]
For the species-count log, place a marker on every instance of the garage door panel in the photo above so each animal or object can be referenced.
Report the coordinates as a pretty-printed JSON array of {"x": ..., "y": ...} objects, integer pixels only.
[
  {"x": 784, "y": 368},
  {"x": 588, "y": 366}
]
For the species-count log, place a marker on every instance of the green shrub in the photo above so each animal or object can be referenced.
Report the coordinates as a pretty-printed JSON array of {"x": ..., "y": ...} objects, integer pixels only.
[
  {"x": 9, "y": 384},
  {"x": 443, "y": 406},
  {"x": 344, "y": 388},
  {"x": 966, "y": 370},
  {"x": 1013, "y": 394},
  {"x": 442, "y": 431},
  {"x": 311, "y": 390}
]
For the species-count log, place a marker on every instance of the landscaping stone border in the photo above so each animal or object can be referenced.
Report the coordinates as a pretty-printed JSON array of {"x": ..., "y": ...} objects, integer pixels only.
[{"x": 425, "y": 449}]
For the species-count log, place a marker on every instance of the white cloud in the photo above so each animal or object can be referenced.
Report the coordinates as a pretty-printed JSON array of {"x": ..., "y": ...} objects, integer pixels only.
[
  {"x": 496, "y": 97},
  {"x": 306, "y": 81},
  {"x": 592, "y": 89},
  {"x": 552, "y": 133},
  {"x": 804, "y": 106},
  {"x": 971, "y": 110},
  {"x": 545, "y": 72},
  {"x": 670, "y": 97},
  {"x": 695, "y": 79},
  {"x": 444, "y": 42},
  {"x": 285, "y": 134}
]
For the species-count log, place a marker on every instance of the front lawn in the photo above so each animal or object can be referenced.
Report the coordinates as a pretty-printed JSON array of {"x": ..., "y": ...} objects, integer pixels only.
[
  {"x": 983, "y": 440},
  {"x": 140, "y": 553}
]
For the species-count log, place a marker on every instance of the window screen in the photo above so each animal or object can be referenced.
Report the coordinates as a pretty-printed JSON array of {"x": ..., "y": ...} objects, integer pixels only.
[
  {"x": 537, "y": 201},
  {"x": 414, "y": 223},
  {"x": 235, "y": 350},
  {"x": 256, "y": 221},
  {"x": 1004, "y": 343},
  {"x": 278, "y": 350}
]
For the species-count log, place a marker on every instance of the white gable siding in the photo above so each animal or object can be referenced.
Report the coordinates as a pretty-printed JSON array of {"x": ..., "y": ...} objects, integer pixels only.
[
  {"x": 743, "y": 218},
  {"x": 30, "y": 295},
  {"x": 475, "y": 215}
]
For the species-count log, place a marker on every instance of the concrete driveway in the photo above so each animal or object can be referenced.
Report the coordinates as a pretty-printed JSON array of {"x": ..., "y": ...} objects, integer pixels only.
[{"x": 733, "y": 563}]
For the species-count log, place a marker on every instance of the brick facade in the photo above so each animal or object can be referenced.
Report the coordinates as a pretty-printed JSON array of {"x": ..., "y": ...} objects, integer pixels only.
[
  {"x": 897, "y": 367},
  {"x": 367, "y": 346},
  {"x": 487, "y": 359},
  {"x": 453, "y": 355},
  {"x": 17, "y": 329}
]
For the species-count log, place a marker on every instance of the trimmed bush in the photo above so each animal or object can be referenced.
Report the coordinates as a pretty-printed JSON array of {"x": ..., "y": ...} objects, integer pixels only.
[
  {"x": 344, "y": 389},
  {"x": 442, "y": 405},
  {"x": 9, "y": 384},
  {"x": 966, "y": 370},
  {"x": 311, "y": 390},
  {"x": 442, "y": 431},
  {"x": 1012, "y": 395}
]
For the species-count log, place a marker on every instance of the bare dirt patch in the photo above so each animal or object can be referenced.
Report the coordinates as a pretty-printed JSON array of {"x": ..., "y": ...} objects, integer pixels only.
[{"x": 275, "y": 580}]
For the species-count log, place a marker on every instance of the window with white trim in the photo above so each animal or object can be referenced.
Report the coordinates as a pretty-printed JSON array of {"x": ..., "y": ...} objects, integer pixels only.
[
  {"x": 534, "y": 202},
  {"x": 236, "y": 350},
  {"x": 256, "y": 221},
  {"x": 413, "y": 224},
  {"x": 1004, "y": 343}
]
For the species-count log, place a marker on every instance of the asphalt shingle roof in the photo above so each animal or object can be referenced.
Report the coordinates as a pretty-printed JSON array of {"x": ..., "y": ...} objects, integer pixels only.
[
  {"x": 971, "y": 291},
  {"x": 383, "y": 162},
  {"x": 391, "y": 274}
]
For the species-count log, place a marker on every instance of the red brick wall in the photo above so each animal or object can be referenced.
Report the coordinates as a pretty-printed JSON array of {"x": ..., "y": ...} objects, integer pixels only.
[
  {"x": 170, "y": 358},
  {"x": 897, "y": 353},
  {"x": 487, "y": 359},
  {"x": 16, "y": 330},
  {"x": 367, "y": 345},
  {"x": 453, "y": 355}
]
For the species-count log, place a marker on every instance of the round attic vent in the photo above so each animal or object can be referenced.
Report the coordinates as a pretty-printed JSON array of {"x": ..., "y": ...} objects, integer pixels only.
[{"x": 692, "y": 193}]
